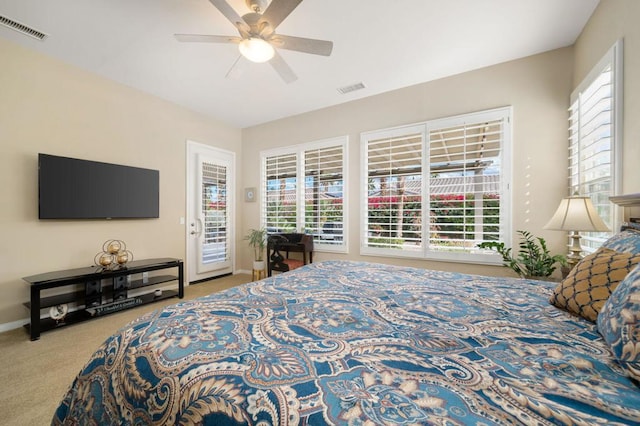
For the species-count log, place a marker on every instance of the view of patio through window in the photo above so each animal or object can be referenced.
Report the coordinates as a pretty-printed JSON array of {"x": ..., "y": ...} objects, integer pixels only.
[
  {"x": 303, "y": 191},
  {"x": 457, "y": 164},
  {"x": 464, "y": 185}
]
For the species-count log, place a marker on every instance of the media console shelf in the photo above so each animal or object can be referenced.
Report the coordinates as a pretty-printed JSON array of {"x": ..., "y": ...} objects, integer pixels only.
[{"x": 102, "y": 291}]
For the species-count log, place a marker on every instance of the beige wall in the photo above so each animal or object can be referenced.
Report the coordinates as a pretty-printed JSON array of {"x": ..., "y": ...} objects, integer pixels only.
[
  {"x": 537, "y": 87},
  {"x": 48, "y": 106},
  {"x": 51, "y": 107},
  {"x": 613, "y": 20}
]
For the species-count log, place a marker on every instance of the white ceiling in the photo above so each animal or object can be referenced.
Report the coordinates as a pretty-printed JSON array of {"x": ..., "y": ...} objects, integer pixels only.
[{"x": 386, "y": 44}]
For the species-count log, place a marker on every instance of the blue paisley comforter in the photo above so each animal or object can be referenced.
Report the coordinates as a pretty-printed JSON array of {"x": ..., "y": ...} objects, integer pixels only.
[{"x": 356, "y": 343}]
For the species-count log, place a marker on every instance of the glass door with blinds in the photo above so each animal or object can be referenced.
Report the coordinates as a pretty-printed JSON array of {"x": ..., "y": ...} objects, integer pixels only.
[{"x": 210, "y": 230}]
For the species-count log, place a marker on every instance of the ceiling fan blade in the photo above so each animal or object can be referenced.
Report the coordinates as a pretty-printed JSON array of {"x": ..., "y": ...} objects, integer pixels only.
[
  {"x": 237, "y": 69},
  {"x": 277, "y": 11},
  {"x": 283, "y": 69},
  {"x": 231, "y": 15},
  {"x": 301, "y": 44},
  {"x": 204, "y": 38}
]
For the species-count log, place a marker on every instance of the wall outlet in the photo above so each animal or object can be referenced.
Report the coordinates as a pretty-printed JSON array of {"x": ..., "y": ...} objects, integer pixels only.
[{"x": 145, "y": 277}]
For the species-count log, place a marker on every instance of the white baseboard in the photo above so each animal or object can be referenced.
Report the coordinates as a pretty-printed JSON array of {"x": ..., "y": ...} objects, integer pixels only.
[{"x": 13, "y": 325}]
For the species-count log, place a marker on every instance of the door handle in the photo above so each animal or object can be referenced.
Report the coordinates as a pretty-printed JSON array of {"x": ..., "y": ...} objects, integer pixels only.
[{"x": 197, "y": 225}]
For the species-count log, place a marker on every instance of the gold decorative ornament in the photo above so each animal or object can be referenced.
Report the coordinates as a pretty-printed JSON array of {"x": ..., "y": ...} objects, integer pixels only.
[
  {"x": 114, "y": 254},
  {"x": 113, "y": 246},
  {"x": 123, "y": 257},
  {"x": 103, "y": 259}
]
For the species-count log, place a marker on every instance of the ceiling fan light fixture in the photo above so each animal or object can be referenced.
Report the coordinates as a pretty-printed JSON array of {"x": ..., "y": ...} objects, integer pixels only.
[{"x": 256, "y": 49}]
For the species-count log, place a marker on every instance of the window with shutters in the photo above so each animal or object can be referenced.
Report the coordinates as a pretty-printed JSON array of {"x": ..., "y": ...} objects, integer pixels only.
[
  {"x": 303, "y": 191},
  {"x": 595, "y": 140},
  {"x": 458, "y": 166},
  {"x": 324, "y": 193},
  {"x": 280, "y": 193},
  {"x": 394, "y": 190}
]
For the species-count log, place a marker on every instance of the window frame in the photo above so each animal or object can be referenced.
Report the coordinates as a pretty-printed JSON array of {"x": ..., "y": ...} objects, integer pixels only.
[
  {"x": 424, "y": 128},
  {"x": 365, "y": 138},
  {"x": 263, "y": 183},
  {"x": 613, "y": 58},
  {"x": 299, "y": 151}
]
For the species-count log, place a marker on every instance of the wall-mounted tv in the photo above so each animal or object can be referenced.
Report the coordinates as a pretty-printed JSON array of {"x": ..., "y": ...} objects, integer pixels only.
[{"x": 70, "y": 188}]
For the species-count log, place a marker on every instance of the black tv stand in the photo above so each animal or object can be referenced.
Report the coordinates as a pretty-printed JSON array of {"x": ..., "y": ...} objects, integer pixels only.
[{"x": 105, "y": 291}]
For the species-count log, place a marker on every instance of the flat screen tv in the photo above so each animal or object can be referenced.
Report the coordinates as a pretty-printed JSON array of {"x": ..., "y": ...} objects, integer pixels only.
[{"x": 70, "y": 188}]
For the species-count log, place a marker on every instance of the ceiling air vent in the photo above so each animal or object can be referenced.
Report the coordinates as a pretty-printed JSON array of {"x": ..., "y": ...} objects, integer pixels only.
[
  {"x": 21, "y": 28},
  {"x": 351, "y": 88}
]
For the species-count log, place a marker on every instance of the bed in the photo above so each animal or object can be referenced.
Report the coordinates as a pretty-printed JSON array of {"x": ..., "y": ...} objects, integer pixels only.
[{"x": 342, "y": 342}]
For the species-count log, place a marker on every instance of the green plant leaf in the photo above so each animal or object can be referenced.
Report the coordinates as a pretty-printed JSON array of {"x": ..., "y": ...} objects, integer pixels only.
[
  {"x": 257, "y": 239},
  {"x": 533, "y": 258}
]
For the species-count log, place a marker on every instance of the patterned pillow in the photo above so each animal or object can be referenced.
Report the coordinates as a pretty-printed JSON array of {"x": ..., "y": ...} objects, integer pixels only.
[
  {"x": 630, "y": 225},
  {"x": 619, "y": 323},
  {"x": 591, "y": 281},
  {"x": 626, "y": 240}
]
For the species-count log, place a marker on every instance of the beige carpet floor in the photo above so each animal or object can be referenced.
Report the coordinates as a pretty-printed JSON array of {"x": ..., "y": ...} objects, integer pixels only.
[{"x": 34, "y": 376}]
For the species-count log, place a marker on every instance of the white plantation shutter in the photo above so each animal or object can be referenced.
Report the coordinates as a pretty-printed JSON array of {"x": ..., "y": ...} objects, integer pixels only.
[
  {"x": 303, "y": 191},
  {"x": 438, "y": 189},
  {"x": 590, "y": 148},
  {"x": 593, "y": 141},
  {"x": 394, "y": 190},
  {"x": 324, "y": 193},
  {"x": 465, "y": 182},
  {"x": 280, "y": 193},
  {"x": 215, "y": 212}
]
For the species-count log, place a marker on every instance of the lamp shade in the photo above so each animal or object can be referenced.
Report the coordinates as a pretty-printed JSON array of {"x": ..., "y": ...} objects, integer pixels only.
[
  {"x": 576, "y": 214},
  {"x": 256, "y": 49}
]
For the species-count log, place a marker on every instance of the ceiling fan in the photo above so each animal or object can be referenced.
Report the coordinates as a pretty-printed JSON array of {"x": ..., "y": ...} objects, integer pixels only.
[{"x": 258, "y": 40}]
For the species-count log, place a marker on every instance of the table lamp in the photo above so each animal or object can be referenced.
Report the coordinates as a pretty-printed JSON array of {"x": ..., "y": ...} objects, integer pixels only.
[{"x": 576, "y": 214}]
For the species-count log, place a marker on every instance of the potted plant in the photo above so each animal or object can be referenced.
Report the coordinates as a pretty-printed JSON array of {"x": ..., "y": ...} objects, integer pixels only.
[
  {"x": 257, "y": 239},
  {"x": 533, "y": 259}
]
